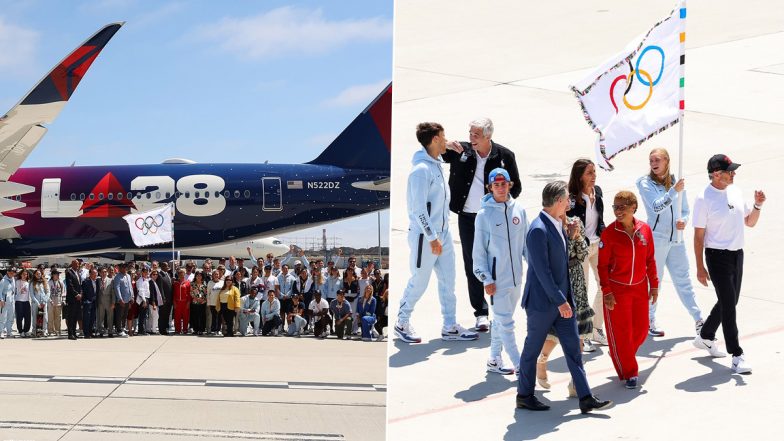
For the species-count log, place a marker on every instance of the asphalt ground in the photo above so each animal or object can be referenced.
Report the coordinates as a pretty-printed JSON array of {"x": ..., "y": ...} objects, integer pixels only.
[{"x": 187, "y": 388}]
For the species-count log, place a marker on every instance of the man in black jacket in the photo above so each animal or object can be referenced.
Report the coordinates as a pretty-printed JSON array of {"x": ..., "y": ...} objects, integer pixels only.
[
  {"x": 470, "y": 163},
  {"x": 73, "y": 297},
  {"x": 165, "y": 285}
]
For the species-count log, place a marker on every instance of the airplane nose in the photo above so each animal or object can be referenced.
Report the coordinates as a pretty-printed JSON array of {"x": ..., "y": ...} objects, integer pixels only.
[{"x": 280, "y": 249}]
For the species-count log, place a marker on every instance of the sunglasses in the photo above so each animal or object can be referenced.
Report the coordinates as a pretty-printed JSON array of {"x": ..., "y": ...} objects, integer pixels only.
[{"x": 620, "y": 207}]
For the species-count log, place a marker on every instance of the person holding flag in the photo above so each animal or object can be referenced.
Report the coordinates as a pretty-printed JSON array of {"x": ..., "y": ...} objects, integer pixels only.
[{"x": 659, "y": 191}]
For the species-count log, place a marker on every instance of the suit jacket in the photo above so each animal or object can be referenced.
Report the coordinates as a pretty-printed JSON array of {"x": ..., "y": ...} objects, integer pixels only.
[
  {"x": 106, "y": 295},
  {"x": 72, "y": 285},
  {"x": 90, "y": 294},
  {"x": 165, "y": 285},
  {"x": 547, "y": 282}
]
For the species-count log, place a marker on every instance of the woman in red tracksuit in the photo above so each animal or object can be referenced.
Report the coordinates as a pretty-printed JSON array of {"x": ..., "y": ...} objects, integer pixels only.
[
  {"x": 627, "y": 274},
  {"x": 181, "y": 291}
]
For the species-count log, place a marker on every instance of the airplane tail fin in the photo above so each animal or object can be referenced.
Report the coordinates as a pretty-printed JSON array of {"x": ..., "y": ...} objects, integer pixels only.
[
  {"x": 366, "y": 142},
  {"x": 59, "y": 84},
  {"x": 21, "y": 128}
]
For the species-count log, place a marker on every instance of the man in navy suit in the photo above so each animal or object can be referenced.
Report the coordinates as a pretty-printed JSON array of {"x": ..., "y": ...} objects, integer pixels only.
[
  {"x": 548, "y": 301},
  {"x": 90, "y": 289}
]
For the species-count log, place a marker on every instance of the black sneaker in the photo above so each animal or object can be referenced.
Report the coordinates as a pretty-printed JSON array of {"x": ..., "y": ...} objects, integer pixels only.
[
  {"x": 631, "y": 383},
  {"x": 590, "y": 403}
]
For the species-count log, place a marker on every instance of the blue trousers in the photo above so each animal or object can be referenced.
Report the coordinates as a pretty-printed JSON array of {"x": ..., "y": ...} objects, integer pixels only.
[
  {"x": 422, "y": 263},
  {"x": 539, "y": 322},
  {"x": 367, "y": 325},
  {"x": 505, "y": 302},
  {"x": 673, "y": 256},
  {"x": 8, "y": 315}
]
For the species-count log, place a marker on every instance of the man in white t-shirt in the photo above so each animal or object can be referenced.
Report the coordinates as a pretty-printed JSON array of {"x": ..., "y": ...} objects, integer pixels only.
[
  {"x": 320, "y": 312},
  {"x": 720, "y": 213}
]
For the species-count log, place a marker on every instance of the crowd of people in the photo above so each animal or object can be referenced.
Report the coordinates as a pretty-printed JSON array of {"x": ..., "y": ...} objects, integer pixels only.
[
  {"x": 226, "y": 299},
  {"x": 564, "y": 245}
]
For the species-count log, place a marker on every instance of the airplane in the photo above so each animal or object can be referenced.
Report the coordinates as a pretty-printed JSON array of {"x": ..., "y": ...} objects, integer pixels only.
[{"x": 78, "y": 209}]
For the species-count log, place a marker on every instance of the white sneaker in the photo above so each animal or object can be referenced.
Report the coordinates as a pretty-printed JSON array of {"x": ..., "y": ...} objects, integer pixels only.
[
  {"x": 406, "y": 332},
  {"x": 496, "y": 366},
  {"x": 457, "y": 332},
  {"x": 740, "y": 366},
  {"x": 482, "y": 324},
  {"x": 711, "y": 346},
  {"x": 599, "y": 337},
  {"x": 2, "y": 336},
  {"x": 588, "y": 346},
  {"x": 123, "y": 334},
  {"x": 698, "y": 326},
  {"x": 654, "y": 329}
]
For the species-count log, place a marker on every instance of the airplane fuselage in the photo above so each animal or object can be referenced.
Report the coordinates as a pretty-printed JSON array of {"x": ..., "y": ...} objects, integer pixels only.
[{"x": 80, "y": 209}]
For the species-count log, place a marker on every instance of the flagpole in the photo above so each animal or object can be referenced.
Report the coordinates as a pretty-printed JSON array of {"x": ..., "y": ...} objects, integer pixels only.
[
  {"x": 174, "y": 269},
  {"x": 682, "y": 111}
]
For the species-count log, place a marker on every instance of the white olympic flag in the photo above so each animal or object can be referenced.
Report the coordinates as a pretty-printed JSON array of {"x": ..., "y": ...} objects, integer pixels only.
[
  {"x": 152, "y": 227},
  {"x": 638, "y": 92}
]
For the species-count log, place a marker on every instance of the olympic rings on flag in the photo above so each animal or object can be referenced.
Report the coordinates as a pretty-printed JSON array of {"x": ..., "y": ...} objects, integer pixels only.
[
  {"x": 149, "y": 224},
  {"x": 650, "y": 90},
  {"x": 661, "y": 68},
  {"x": 642, "y": 76}
]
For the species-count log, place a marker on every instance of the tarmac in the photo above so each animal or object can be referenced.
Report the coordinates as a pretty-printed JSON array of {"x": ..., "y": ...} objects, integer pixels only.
[
  {"x": 188, "y": 388},
  {"x": 513, "y": 62}
]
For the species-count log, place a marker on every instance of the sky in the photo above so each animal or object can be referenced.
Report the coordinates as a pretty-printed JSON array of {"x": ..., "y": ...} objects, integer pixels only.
[{"x": 244, "y": 81}]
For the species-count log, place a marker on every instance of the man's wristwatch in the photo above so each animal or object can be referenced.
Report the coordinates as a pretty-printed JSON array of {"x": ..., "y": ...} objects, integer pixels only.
[{"x": 757, "y": 207}]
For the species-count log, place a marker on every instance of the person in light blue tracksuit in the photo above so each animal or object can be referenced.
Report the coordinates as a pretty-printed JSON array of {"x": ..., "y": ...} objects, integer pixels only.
[
  {"x": 429, "y": 238},
  {"x": 659, "y": 194},
  {"x": 7, "y": 301},
  {"x": 499, "y": 248}
]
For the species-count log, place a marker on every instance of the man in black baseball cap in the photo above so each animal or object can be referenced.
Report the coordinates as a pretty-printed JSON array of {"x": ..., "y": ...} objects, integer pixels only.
[
  {"x": 720, "y": 216},
  {"x": 721, "y": 163}
]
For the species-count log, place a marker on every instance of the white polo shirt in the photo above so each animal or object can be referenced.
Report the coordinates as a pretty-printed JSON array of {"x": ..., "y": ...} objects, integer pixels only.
[{"x": 722, "y": 213}]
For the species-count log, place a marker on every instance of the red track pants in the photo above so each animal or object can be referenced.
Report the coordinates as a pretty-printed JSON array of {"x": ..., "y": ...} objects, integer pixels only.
[
  {"x": 627, "y": 326},
  {"x": 182, "y": 312}
]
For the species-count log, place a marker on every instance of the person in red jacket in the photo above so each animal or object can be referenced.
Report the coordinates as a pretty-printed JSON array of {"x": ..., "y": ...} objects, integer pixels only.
[
  {"x": 628, "y": 278},
  {"x": 181, "y": 291}
]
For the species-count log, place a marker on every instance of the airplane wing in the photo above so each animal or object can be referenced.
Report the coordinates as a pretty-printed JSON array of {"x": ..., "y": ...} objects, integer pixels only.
[{"x": 21, "y": 128}]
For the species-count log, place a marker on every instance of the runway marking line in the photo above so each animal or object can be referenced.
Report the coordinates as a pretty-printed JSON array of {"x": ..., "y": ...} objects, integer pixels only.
[
  {"x": 605, "y": 371},
  {"x": 173, "y": 431}
]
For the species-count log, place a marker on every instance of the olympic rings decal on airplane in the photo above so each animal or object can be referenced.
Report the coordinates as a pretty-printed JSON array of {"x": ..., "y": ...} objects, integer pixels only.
[
  {"x": 149, "y": 224},
  {"x": 639, "y": 73}
]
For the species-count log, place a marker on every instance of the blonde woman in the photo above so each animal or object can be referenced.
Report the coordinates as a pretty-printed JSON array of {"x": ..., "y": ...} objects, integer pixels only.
[{"x": 659, "y": 192}]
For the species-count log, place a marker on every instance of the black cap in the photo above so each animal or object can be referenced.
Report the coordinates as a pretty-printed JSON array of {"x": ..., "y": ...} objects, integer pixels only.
[
  {"x": 54, "y": 271},
  {"x": 721, "y": 162},
  {"x": 267, "y": 267}
]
